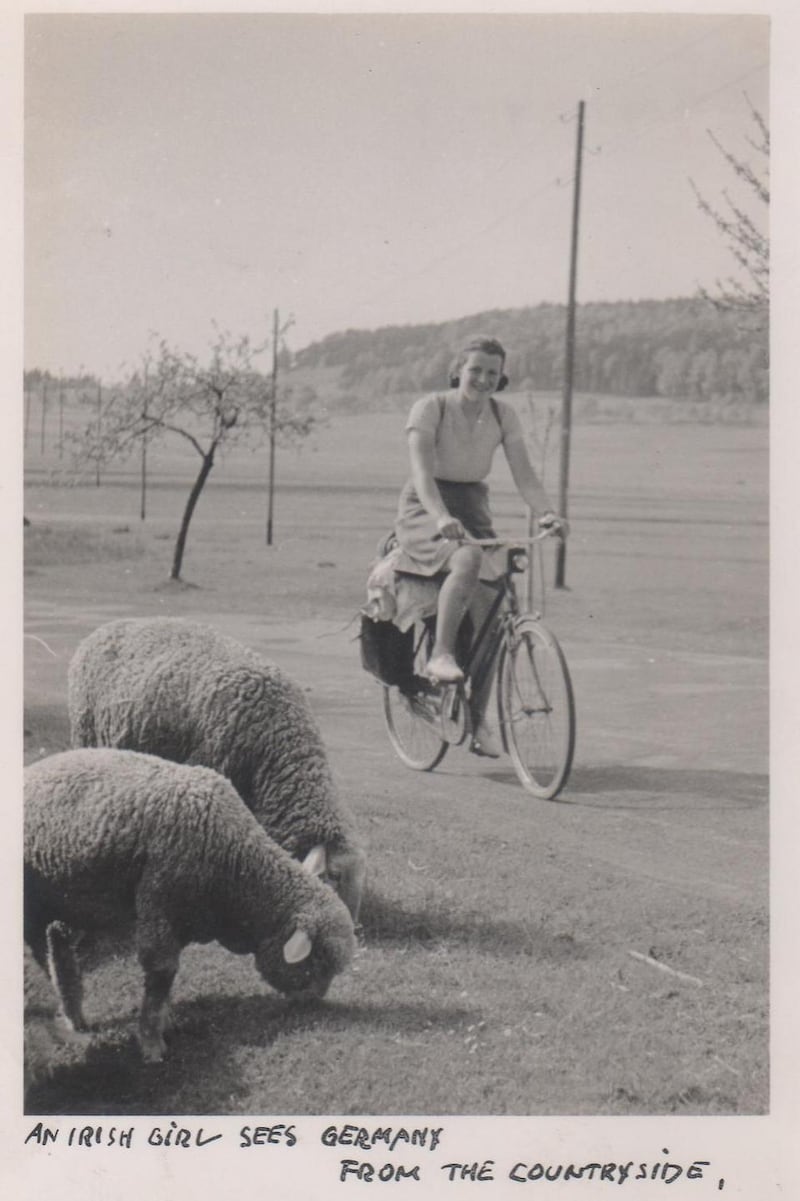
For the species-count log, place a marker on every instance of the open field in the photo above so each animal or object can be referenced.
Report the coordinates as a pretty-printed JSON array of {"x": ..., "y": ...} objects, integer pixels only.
[{"x": 500, "y": 967}]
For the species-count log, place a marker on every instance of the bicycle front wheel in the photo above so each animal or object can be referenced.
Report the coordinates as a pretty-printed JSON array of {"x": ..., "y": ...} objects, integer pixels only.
[
  {"x": 536, "y": 707},
  {"x": 413, "y": 716}
]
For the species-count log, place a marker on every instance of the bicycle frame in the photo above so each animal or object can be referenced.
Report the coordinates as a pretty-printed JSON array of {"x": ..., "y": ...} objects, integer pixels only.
[
  {"x": 506, "y": 600},
  {"x": 491, "y": 631}
]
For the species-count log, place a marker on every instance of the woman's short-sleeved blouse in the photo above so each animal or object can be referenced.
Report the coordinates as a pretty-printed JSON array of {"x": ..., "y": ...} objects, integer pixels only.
[{"x": 463, "y": 451}]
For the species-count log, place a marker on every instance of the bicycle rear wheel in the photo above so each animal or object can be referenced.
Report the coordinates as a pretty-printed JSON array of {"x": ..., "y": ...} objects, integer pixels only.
[
  {"x": 536, "y": 708},
  {"x": 412, "y": 716}
]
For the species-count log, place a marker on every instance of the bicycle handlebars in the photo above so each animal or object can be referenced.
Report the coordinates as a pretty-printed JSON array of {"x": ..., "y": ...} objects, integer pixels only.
[{"x": 490, "y": 542}]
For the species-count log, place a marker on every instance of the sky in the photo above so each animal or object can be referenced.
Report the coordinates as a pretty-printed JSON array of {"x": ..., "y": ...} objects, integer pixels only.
[{"x": 363, "y": 170}]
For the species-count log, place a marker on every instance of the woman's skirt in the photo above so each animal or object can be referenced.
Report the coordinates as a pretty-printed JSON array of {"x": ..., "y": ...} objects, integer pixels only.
[{"x": 423, "y": 549}]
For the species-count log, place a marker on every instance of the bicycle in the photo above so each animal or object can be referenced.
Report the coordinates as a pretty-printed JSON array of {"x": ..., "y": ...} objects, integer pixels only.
[{"x": 535, "y": 700}]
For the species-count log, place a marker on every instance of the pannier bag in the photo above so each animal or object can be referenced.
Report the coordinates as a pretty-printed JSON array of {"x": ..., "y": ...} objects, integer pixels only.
[{"x": 388, "y": 653}]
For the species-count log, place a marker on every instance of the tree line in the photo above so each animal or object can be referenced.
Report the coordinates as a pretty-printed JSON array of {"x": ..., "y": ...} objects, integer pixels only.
[
  {"x": 711, "y": 347},
  {"x": 682, "y": 348}
]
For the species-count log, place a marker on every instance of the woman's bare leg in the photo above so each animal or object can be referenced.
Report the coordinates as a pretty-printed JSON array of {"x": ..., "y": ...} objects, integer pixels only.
[{"x": 455, "y": 595}]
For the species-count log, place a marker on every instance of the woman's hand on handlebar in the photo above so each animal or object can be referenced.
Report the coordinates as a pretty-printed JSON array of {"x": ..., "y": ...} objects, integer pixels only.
[
  {"x": 553, "y": 524},
  {"x": 451, "y": 528}
]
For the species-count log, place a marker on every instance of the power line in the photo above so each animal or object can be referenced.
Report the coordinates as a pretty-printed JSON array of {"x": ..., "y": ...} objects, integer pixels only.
[
  {"x": 602, "y": 92},
  {"x": 564, "y": 117},
  {"x": 648, "y": 68},
  {"x": 637, "y": 133},
  {"x": 733, "y": 83},
  {"x": 458, "y": 246}
]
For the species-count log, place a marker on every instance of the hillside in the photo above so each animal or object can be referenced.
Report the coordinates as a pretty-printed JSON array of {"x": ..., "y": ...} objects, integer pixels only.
[{"x": 683, "y": 349}]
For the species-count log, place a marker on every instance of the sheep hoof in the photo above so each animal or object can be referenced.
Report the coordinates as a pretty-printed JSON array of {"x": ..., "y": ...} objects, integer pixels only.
[
  {"x": 153, "y": 1051},
  {"x": 71, "y": 1026}
]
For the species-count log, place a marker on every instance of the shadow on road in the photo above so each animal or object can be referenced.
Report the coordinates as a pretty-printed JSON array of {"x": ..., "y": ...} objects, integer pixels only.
[
  {"x": 623, "y": 786},
  {"x": 620, "y": 786}
]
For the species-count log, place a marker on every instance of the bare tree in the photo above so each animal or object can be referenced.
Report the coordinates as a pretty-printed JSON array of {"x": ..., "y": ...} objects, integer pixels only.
[
  {"x": 209, "y": 405},
  {"x": 743, "y": 230}
]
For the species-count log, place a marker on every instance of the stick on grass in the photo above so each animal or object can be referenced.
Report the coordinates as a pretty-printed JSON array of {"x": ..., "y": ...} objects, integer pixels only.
[{"x": 662, "y": 967}]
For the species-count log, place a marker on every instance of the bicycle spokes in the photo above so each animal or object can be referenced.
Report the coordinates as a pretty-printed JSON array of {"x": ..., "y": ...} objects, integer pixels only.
[
  {"x": 528, "y": 686},
  {"x": 536, "y": 708},
  {"x": 455, "y": 722},
  {"x": 413, "y": 718}
]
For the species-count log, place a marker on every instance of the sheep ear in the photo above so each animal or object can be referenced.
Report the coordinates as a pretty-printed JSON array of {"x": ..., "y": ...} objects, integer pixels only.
[
  {"x": 314, "y": 861},
  {"x": 297, "y": 948}
]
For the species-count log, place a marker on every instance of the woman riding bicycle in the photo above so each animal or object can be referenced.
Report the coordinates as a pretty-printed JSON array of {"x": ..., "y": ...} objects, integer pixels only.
[{"x": 452, "y": 437}]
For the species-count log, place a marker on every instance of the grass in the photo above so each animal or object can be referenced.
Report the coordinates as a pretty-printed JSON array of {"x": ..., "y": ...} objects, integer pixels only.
[
  {"x": 518, "y": 1014},
  {"x": 50, "y": 546},
  {"x": 495, "y": 972}
]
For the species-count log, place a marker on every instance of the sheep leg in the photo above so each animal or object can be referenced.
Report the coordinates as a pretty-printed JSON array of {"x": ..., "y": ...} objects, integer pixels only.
[
  {"x": 155, "y": 1007},
  {"x": 159, "y": 953},
  {"x": 65, "y": 973}
]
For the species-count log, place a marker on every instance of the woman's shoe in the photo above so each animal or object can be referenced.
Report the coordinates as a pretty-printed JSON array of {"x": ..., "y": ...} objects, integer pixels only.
[
  {"x": 444, "y": 669},
  {"x": 484, "y": 742}
]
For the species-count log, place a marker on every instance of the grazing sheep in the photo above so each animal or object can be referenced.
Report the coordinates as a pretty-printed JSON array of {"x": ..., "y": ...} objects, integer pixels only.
[
  {"x": 117, "y": 841},
  {"x": 181, "y": 690}
]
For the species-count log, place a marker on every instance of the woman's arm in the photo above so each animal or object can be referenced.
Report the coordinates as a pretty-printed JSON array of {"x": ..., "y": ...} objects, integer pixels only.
[
  {"x": 421, "y": 454},
  {"x": 526, "y": 479}
]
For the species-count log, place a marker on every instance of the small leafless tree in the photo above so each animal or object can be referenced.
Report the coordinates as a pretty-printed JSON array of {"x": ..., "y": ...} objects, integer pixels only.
[
  {"x": 208, "y": 404},
  {"x": 743, "y": 225}
]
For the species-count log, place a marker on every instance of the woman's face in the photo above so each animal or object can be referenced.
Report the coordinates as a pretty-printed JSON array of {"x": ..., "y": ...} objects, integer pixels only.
[{"x": 480, "y": 375}]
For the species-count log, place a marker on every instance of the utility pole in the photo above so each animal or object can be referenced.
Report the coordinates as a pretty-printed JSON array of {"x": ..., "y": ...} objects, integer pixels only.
[
  {"x": 61, "y": 415},
  {"x": 566, "y": 406},
  {"x": 43, "y": 417},
  {"x": 99, "y": 431},
  {"x": 143, "y": 504},
  {"x": 272, "y": 425}
]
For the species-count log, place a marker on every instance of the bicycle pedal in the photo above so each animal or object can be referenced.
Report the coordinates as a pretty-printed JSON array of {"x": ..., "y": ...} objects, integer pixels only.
[{"x": 438, "y": 682}]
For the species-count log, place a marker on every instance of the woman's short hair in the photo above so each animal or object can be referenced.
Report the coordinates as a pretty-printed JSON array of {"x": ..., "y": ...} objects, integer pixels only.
[{"x": 486, "y": 346}]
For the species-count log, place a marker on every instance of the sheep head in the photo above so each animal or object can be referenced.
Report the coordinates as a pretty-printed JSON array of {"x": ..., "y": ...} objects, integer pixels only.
[
  {"x": 302, "y": 960},
  {"x": 346, "y": 872},
  {"x": 343, "y": 868}
]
